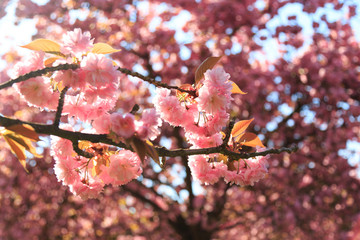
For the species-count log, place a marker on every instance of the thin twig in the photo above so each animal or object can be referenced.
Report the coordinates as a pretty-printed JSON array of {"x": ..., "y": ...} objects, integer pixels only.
[
  {"x": 68, "y": 66},
  {"x": 38, "y": 73},
  {"x": 154, "y": 82},
  {"x": 60, "y": 107}
]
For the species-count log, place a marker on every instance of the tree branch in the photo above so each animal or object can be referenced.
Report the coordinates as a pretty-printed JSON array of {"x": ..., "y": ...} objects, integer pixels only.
[
  {"x": 154, "y": 82},
  {"x": 67, "y": 66},
  {"x": 38, "y": 73},
  {"x": 162, "y": 151},
  {"x": 60, "y": 107}
]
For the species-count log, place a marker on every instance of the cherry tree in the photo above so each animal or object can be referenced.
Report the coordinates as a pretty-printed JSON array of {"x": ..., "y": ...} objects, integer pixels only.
[{"x": 113, "y": 88}]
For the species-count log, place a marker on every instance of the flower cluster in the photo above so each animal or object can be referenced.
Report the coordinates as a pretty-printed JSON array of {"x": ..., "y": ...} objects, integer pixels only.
[
  {"x": 203, "y": 118},
  {"x": 92, "y": 96},
  {"x": 87, "y": 177}
]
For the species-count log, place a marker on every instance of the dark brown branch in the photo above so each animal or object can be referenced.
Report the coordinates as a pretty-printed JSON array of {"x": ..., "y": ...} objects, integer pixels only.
[
  {"x": 60, "y": 107},
  {"x": 67, "y": 66},
  {"x": 162, "y": 151},
  {"x": 228, "y": 132},
  {"x": 153, "y": 81},
  {"x": 38, "y": 73}
]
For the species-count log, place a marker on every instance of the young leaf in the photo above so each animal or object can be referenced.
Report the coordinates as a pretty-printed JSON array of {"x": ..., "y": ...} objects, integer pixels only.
[
  {"x": 25, "y": 130},
  {"x": 23, "y": 141},
  {"x": 48, "y": 62},
  {"x": 250, "y": 139},
  {"x": 139, "y": 147},
  {"x": 103, "y": 48},
  {"x": 236, "y": 88},
  {"x": 151, "y": 152},
  {"x": 209, "y": 63},
  {"x": 44, "y": 45},
  {"x": 240, "y": 127},
  {"x": 18, "y": 150}
]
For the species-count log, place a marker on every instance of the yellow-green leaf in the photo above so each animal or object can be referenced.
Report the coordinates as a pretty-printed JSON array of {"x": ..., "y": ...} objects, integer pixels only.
[
  {"x": 18, "y": 150},
  {"x": 44, "y": 45},
  {"x": 236, "y": 88},
  {"x": 250, "y": 139},
  {"x": 240, "y": 127},
  {"x": 103, "y": 48},
  {"x": 25, "y": 130},
  {"x": 209, "y": 63}
]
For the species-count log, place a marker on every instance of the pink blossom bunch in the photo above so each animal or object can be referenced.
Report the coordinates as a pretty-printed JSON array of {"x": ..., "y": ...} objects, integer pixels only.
[
  {"x": 205, "y": 116},
  {"x": 148, "y": 126},
  {"x": 36, "y": 91},
  {"x": 208, "y": 170},
  {"x": 203, "y": 119},
  {"x": 254, "y": 170},
  {"x": 78, "y": 172},
  {"x": 76, "y": 43}
]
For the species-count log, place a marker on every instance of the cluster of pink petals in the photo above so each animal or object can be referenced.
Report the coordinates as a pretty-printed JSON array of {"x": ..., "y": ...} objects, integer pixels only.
[
  {"x": 76, "y": 172},
  {"x": 208, "y": 171},
  {"x": 215, "y": 93},
  {"x": 122, "y": 125},
  {"x": 204, "y": 171},
  {"x": 255, "y": 170},
  {"x": 148, "y": 126},
  {"x": 36, "y": 91},
  {"x": 76, "y": 43},
  {"x": 124, "y": 167},
  {"x": 203, "y": 119}
]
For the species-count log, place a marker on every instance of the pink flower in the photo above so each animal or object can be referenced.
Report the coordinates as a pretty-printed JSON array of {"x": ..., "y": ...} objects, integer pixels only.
[
  {"x": 201, "y": 141},
  {"x": 36, "y": 91},
  {"x": 204, "y": 171},
  {"x": 255, "y": 170},
  {"x": 148, "y": 126},
  {"x": 99, "y": 71},
  {"x": 34, "y": 61},
  {"x": 69, "y": 78},
  {"x": 65, "y": 170},
  {"x": 124, "y": 167},
  {"x": 123, "y": 125},
  {"x": 86, "y": 189},
  {"x": 215, "y": 94},
  {"x": 102, "y": 124},
  {"x": 76, "y": 43},
  {"x": 61, "y": 147},
  {"x": 169, "y": 107}
]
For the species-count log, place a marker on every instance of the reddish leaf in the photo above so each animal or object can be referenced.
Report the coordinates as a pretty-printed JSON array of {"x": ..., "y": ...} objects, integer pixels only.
[
  {"x": 240, "y": 127},
  {"x": 250, "y": 139},
  {"x": 151, "y": 152},
  {"x": 139, "y": 147},
  {"x": 209, "y": 63},
  {"x": 23, "y": 141},
  {"x": 18, "y": 150},
  {"x": 24, "y": 130}
]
